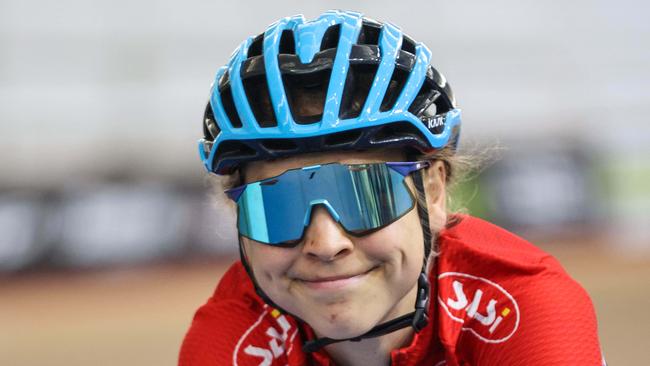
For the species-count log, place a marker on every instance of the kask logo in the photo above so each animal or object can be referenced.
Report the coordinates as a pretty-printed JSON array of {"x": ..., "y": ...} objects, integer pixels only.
[
  {"x": 483, "y": 307},
  {"x": 436, "y": 122}
]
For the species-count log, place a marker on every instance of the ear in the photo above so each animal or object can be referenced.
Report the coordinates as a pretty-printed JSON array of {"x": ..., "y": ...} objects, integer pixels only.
[{"x": 435, "y": 183}]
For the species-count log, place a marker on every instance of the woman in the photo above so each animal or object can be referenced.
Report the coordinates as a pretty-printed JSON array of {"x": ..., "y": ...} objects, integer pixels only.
[{"x": 339, "y": 140}]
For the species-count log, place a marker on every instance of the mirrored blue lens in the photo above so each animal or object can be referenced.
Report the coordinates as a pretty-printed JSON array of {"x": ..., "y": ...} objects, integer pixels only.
[{"x": 362, "y": 197}]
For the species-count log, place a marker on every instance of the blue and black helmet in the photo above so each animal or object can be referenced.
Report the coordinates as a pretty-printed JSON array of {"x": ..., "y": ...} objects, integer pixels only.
[{"x": 340, "y": 82}]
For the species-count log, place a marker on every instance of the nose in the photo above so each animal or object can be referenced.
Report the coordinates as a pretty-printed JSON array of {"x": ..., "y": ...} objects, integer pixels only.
[{"x": 325, "y": 239}]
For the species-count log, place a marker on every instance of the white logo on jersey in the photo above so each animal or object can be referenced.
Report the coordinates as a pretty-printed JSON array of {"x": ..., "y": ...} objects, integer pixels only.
[
  {"x": 275, "y": 345},
  {"x": 277, "y": 338},
  {"x": 468, "y": 295},
  {"x": 472, "y": 309}
]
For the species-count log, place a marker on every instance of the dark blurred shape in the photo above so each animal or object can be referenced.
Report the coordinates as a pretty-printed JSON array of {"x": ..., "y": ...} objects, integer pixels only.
[
  {"x": 543, "y": 188},
  {"x": 109, "y": 223},
  {"x": 20, "y": 220},
  {"x": 117, "y": 223}
]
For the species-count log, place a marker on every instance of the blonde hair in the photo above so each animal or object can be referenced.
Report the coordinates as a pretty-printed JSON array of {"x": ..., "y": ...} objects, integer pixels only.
[{"x": 460, "y": 168}]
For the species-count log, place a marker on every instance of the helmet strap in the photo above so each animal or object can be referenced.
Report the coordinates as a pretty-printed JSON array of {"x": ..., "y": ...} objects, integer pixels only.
[
  {"x": 417, "y": 319},
  {"x": 249, "y": 271}
]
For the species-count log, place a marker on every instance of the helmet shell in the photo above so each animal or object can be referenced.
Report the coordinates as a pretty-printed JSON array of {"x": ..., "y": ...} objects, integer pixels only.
[{"x": 374, "y": 87}]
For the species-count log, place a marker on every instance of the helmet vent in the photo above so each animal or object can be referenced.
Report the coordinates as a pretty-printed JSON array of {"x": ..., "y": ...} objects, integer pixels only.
[
  {"x": 331, "y": 37},
  {"x": 437, "y": 77},
  {"x": 223, "y": 81},
  {"x": 279, "y": 145},
  {"x": 343, "y": 138},
  {"x": 425, "y": 98},
  {"x": 210, "y": 128},
  {"x": 408, "y": 45},
  {"x": 357, "y": 85},
  {"x": 431, "y": 110},
  {"x": 256, "y": 47},
  {"x": 369, "y": 34},
  {"x": 287, "y": 43},
  {"x": 306, "y": 94},
  {"x": 397, "y": 82},
  {"x": 229, "y": 107},
  {"x": 235, "y": 149},
  {"x": 395, "y": 131},
  {"x": 257, "y": 93}
]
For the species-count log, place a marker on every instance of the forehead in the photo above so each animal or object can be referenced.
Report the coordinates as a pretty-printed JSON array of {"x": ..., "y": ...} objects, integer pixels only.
[{"x": 259, "y": 170}]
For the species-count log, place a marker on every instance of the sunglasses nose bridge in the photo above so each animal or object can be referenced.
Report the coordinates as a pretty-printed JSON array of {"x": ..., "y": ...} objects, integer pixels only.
[{"x": 325, "y": 204}]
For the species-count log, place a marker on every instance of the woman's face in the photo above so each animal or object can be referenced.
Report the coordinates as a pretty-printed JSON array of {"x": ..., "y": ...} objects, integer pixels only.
[{"x": 341, "y": 285}]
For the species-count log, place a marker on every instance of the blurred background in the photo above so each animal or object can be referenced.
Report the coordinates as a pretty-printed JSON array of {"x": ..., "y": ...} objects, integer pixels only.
[{"x": 109, "y": 242}]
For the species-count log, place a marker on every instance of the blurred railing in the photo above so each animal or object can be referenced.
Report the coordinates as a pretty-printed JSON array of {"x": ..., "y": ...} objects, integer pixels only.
[{"x": 541, "y": 191}]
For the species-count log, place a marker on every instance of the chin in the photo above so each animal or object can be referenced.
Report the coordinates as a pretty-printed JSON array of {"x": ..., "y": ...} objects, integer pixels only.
[{"x": 342, "y": 325}]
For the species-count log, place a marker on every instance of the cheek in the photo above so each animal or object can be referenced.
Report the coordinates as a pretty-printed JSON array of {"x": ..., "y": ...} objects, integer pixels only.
[
  {"x": 268, "y": 263},
  {"x": 400, "y": 242}
]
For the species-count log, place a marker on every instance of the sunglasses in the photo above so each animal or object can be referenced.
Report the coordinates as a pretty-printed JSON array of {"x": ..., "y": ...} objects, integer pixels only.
[{"x": 362, "y": 198}]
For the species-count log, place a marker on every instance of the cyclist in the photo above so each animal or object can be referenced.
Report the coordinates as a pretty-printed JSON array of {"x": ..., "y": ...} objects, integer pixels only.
[{"x": 339, "y": 141}]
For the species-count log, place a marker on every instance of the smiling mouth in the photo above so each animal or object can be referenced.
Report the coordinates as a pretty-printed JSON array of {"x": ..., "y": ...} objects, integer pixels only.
[{"x": 335, "y": 282}]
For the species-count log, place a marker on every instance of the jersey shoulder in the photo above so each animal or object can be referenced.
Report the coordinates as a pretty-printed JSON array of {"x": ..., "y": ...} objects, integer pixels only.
[
  {"x": 501, "y": 300},
  {"x": 473, "y": 238},
  {"x": 235, "y": 327}
]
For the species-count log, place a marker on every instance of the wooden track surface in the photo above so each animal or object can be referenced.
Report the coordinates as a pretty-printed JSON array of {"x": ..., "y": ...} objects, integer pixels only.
[{"x": 138, "y": 316}]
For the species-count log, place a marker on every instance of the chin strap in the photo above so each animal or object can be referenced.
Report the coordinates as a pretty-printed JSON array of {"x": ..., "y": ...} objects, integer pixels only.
[
  {"x": 417, "y": 319},
  {"x": 258, "y": 289}
]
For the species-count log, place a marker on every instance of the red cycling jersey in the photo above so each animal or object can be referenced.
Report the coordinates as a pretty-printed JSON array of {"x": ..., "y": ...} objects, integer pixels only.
[{"x": 496, "y": 300}]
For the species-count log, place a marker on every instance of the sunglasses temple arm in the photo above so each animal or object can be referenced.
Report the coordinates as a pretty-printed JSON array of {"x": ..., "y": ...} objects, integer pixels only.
[
  {"x": 408, "y": 167},
  {"x": 235, "y": 193}
]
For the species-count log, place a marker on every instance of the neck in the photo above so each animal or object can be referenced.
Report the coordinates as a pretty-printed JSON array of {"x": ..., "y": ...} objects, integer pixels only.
[{"x": 376, "y": 351}]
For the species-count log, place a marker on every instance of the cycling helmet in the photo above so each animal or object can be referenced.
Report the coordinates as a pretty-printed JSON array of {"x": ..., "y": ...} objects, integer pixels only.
[{"x": 367, "y": 85}]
